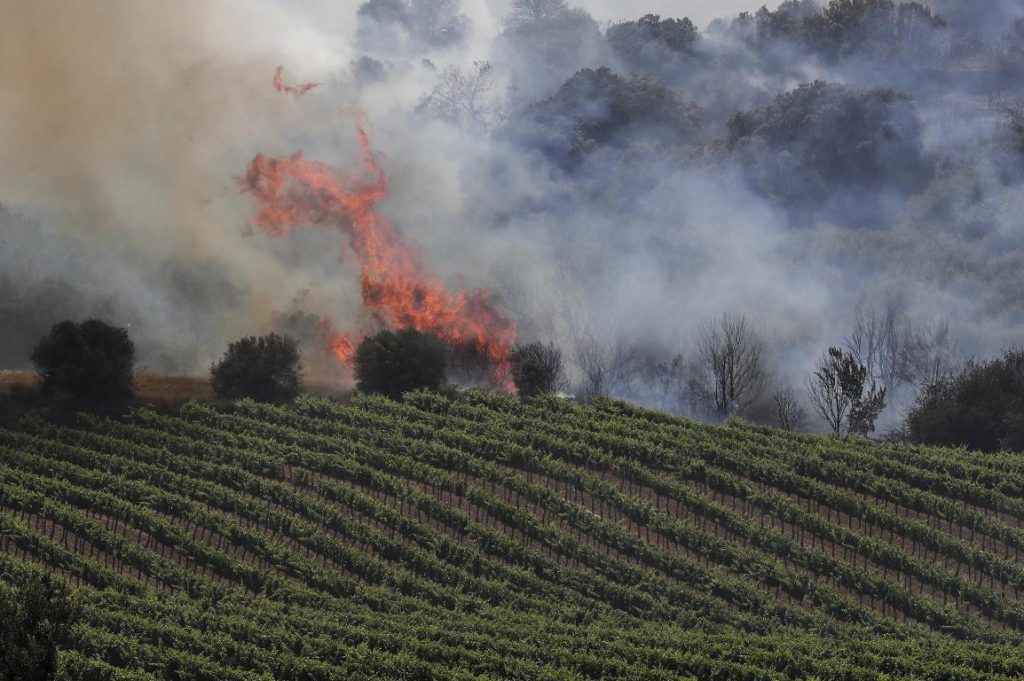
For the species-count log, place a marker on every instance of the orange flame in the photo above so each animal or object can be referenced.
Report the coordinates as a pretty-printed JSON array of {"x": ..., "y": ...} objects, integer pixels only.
[
  {"x": 293, "y": 192},
  {"x": 284, "y": 88}
]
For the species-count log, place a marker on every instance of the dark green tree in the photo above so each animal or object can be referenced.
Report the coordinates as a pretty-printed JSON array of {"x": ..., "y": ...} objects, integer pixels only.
[
  {"x": 89, "y": 361},
  {"x": 265, "y": 368},
  {"x": 395, "y": 362},
  {"x": 34, "y": 622},
  {"x": 981, "y": 407},
  {"x": 840, "y": 390},
  {"x": 652, "y": 44},
  {"x": 536, "y": 369},
  {"x": 822, "y": 145}
]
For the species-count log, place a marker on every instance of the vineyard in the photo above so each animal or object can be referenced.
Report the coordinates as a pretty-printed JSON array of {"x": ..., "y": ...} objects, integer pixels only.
[{"x": 474, "y": 535}]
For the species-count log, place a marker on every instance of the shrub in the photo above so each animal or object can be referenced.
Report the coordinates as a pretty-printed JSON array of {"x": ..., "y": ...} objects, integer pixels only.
[
  {"x": 536, "y": 369},
  {"x": 265, "y": 368},
  {"x": 395, "y": 362},
  {"x": 91, "y": 360},
  {"x": 980, "y": 407},
  {"x": 34, "y": 622}
]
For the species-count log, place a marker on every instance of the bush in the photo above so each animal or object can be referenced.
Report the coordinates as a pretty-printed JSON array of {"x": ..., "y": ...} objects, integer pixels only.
[
  {"x": 91, "y": 360},
  {"x": 265, "y": 368},
  {"x": 536, "y": 369},
  {"x": 979, "y": 408},
  {"x": 34, "y": 622},
  {"x": 395, "y": 362}
]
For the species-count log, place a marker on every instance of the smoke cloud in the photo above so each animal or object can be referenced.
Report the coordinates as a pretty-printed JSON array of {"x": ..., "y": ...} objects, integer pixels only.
[{"x": 613, "y": 185}]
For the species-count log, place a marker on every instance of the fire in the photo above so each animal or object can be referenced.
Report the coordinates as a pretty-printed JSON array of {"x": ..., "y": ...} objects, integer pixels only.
[
  {"x": 295, "y": 192},
  {"x": 284, "y": 88}
]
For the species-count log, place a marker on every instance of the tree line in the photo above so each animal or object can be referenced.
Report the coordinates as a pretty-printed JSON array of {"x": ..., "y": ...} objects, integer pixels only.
[{"x": 728, "y": 373}]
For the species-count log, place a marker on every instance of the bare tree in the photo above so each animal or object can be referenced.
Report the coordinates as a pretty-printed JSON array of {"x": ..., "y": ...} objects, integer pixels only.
[
  {"x": 932, "y": 352},
  {"x": 606, "y": 366},
  {"x": 788, "y": 411},
  {"x": 897, "y": 352},
  {"x": 730, "y": 355},
  {"x": 466, "y": 98},
  {"x": 877, "y": 342},
  {"x": 665, "y": 380}
]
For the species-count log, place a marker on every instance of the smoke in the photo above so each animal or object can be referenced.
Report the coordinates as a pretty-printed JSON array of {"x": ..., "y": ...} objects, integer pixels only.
[
  {"x": 123, "y": 125},
  {"x": 610, "y": 212}
]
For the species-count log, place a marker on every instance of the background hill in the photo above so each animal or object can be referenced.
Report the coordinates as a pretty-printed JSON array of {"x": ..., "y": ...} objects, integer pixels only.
[{"x": 477, "y": 535}]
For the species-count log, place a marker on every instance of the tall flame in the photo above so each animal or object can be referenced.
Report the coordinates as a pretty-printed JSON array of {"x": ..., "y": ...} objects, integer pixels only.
[{"x": 293, "y": 192}]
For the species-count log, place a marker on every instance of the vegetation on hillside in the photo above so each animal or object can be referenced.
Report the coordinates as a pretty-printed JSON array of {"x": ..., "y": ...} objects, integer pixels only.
[
  {"x": 91, "y": 361},
  {"x": 394, "y": 362},
  {"x": 474, "y": 534},
  {"x": 261, "y": 367}
]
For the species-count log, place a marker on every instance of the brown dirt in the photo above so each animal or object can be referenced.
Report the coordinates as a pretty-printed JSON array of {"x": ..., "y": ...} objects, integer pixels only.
[{"x": 155, "y": 389}]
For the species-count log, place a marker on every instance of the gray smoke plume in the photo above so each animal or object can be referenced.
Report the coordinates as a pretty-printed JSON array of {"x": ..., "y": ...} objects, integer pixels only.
[{"x": 617, "y": 180}]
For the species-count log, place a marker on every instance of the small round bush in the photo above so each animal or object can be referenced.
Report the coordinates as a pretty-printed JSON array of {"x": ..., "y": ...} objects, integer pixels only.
[
  {"x": 536, "y": 369},
  {"x": 88, "y": 361},
  {"x": 265, "y": 368},
  {"x": 395, "y": 362}
]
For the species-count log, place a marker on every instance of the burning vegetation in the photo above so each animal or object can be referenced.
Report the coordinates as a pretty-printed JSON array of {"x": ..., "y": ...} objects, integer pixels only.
[{"x": 295, "y": 192}]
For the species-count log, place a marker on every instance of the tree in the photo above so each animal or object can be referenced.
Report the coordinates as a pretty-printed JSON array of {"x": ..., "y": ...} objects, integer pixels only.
[
  {"x": 980, "y": 407},
  {"x": 788, "y": 412},
  {"x": 89, "y": 361},
  {"x": 467, "y": 98},
  {"x": 426, "y": 23},
  {"x": 822, "y": 146},
  {"x": 837, "y": 391},
  {"x": 653, "y": 44},
  {"x": 607, "y": 364},
  {"x": 597, "y": 108},
  {"x": 34, "y": 622},
  {"x": 395, "y": 362},
  {"x": 471, "y": 364},
  {"x": 730, "y": 355},
  {"x": 895, "y": 351},
  {"x": 543, "y": 43},
  {"x": 525, "y": 11},
  {"x": 536, "y": 369},
  {"x": 265, "y": 368}
]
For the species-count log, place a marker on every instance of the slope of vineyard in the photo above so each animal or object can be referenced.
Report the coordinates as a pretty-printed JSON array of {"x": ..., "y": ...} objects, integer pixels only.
[{"x": 474, "y": 535}]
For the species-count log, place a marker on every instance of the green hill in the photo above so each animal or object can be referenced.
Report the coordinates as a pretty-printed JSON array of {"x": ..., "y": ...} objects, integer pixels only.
[{"x": 478, "y": 536}]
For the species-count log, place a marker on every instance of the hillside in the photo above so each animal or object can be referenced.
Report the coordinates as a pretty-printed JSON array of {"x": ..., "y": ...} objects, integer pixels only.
[{"x": 476, "y": 535}]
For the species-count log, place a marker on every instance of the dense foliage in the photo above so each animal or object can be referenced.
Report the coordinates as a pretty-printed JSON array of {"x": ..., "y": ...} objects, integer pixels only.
[
  {"x": 597, "y": 108},
  {"x": 846, "y": 398},
  {"x": 536, "y": 369},
  {"x": 89, "y": 361},
  {"x": 478, "y": 535},
  {"x": 981, "y": 407},
  {"x": 424, "y": 23},
  {"x": 844, "y": 29},
  {"x": 652, "y": 44},
  {"x": 34, "y": 622},
  {"x": 394, "y": 362},
  {"x": 261, "y": 367},
  {"x": 826, "y": 143}
]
